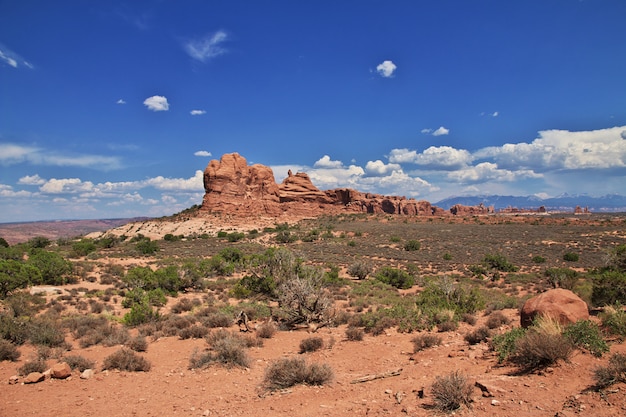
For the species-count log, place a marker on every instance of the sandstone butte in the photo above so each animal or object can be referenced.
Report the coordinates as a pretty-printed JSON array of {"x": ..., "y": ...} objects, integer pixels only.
[{"x": 235, "y": 188}]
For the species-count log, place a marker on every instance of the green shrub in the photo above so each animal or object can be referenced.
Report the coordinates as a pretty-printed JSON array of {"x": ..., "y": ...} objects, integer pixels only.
[
  {"x": 146, "y": 246},
  {"x": 8, "y": 351},
  {"x": 54, "y": 269},
  {"x": 585, "y": 334},
  {"x": 424, "y": 341},
  {"x": 235, "y": 236},
  {"x": 222, "y": 234},
  {"x": 504, "y": 344},
  {"x": 452, "y": 391},
  {"x": 499, "y": 263},
  {"x": 38, "y": 242},
  {"x": 83, "y": 247},
  {"x": 613, "y": 319},
  {"x": 538, "y": 259},
  {"x": 412, "y": 245},
  {"x": 3, "y": 243},
  {"x": 609, "y": 287},
  {"x": 613, "y": 373},
  {"x": 562, "y": 277},
  {"x": 126, "y": 360},
  {"x": 447, "y": 256},
  {"x": 570, "y": 257},
  {"x": 15, "y": 275},
  {"x": 395, "y": 277},
  {"x": 616, "y": 258},
  {"x": 140, "y": 313},
  {"x": 311, "y": 344},
  {"x": 287, "y": 372}
]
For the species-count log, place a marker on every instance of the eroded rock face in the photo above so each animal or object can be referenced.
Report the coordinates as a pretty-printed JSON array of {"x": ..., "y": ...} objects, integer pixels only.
[
  {"x": 461, "y": 210},
  {"x": 560, "y": 304},
  {"x": 233, "y": 187}
]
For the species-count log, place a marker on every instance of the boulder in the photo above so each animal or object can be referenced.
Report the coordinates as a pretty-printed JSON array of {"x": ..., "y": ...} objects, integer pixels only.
[
  {"x": 87, "y": 374},
  {"x": 34, "y": 377},
  {"x": 560, "y": 304},
  {"x": 61, "y": 371}
]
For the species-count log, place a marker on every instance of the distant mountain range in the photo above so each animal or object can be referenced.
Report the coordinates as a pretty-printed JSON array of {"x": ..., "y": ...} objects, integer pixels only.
[{"x": 610, "y": 203}]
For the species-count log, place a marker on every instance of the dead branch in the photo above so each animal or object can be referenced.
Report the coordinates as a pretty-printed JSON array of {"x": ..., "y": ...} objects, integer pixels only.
[{"x": 367, "y": 378}]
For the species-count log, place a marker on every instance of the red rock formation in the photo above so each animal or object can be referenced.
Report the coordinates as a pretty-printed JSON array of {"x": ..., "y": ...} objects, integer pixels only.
[
  {"x": 461, "y": 210},
  {"x": 560, "y": 304},
  {"x": 233, "y": 187}
]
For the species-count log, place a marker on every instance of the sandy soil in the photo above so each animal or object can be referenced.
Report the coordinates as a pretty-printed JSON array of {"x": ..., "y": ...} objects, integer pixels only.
[{"x": 170, "y": 388}]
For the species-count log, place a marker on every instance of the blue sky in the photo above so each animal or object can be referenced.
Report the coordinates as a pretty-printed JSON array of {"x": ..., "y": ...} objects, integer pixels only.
[{"x": 113, "y": 109}]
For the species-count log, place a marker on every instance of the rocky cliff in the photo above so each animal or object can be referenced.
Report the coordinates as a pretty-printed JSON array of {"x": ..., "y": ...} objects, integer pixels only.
[{"x": 233, "y": 187}]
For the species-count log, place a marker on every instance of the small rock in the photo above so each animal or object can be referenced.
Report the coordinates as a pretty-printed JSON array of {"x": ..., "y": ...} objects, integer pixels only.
[
  {"x": 14, "y": 380},
  {"x": 86, "y": 374},
  {"x": 61, "y": 371},
  {"x": 388, "y": 391},
  {"x": 495, "y": 403},
  {"x": 34, "y": 377}
]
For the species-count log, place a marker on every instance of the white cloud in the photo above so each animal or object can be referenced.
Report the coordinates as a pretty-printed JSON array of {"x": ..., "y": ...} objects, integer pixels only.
[
  {"x": 495, "y": 114},
  {"x": 208, "y": 47},
  {"x": 202, "y": 153},
  {"x": 12, "y": 59},
  {"x": 6, "y": 191},
  {"x": 120, "y": 101},
  {"x": 434, "y": 157},
  {"x": 441, "y": 131},
  {"x": 326, "y": 162},
  {"x": 197, "y": 112},
  {"x": 31, "y": 180},
  {"x": 177, "y": 184},
  {"x": 563, "y": 150},
  {"x": 14, "y": 154},
  {"x": 426, "y": 131},
  {"x": 379, "y": 168},
  {"x": 386, "y": 69},
  {"x": 487, "y": 171},
  {"x": 66, "y": 186},
  {"x": 157, "y": 103}
]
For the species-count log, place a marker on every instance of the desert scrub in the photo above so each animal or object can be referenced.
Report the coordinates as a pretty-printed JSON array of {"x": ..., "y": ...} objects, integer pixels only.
[
  {"x": 8, "y": 351},
  {"x": 138, "y": 343},
  {"x": 425, "y": 341},
  {"x": 354, "y": 334},
  {"x": 266, "y": 330},
  {"x": 395, "y": 277},
  {"x": 613, "y": 373},
  {"x": 311, "y": 344},
  {"x": 585, "y": 334},
  {"x": 541, "y": 346},
  {"x": 451, "y": 391},
  {"x": 613, "y": 319},
  {"x": 35, "y": 365},
  {"x": 479, "y": 335},
  {"x": 226, "y": 348},
  {"x": 504, "y": 344},
  {"x": 497, "y": 319},
  {"x": 78, "y": 362},
  {"x": 126, "y": 360},
  {"x": 359, "y": 269},
  {"x": 570, "y": 257},
  {"x": 412, "y": 245},
  {"x": 287, "y": 372}
]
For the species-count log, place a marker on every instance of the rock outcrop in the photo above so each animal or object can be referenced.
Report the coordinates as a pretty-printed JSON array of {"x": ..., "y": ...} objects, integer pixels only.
[
  {"x": 233, "y": 187},
  {"x": 560, "y": 304}
]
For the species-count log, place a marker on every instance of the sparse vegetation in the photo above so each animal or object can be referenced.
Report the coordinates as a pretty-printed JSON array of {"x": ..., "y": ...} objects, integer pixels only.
[
  {"x": 613, "y": 373},
  {"x": 425, "y": 341},
  {"x": 125, "y": 359},
  {"x": 287, "y": 372},
  {"x": 311, "y": 344},
  {"x": 452, "y": 391}
]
